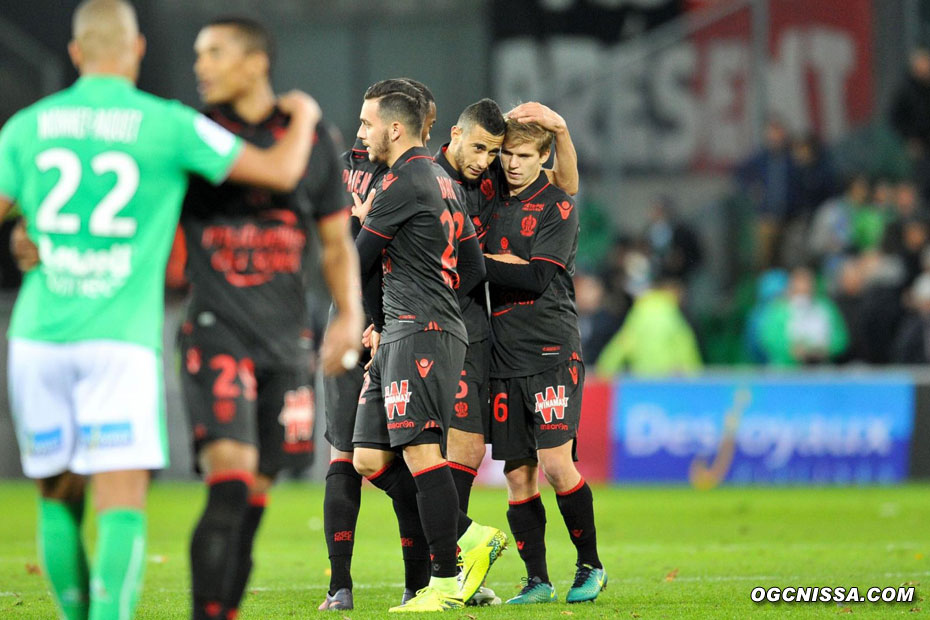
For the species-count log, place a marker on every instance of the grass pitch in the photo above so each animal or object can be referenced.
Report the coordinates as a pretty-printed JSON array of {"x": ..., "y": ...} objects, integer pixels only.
[{"x": 669, "y": 552}]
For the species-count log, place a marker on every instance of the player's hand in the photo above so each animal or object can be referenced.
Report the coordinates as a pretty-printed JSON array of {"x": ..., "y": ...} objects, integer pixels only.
[
  {"x": 366, "y": 336},
  {"x": 375, "y": 339},
  {"x": 297, "y": 102},
  {"x": 360, "y": 209},
  {"x": 507, "y": 258},
  {"x": 341, "y": 345},
  {"x": 535, "y": 112},
  {"x": 24, "y": 251}
]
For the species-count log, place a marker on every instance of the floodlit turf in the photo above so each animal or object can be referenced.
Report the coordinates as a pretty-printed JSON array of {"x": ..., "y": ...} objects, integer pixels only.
[{"x": 670, "y": 553}]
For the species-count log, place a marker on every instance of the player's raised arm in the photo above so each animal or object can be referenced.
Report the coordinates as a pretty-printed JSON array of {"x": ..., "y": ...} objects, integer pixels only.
[
  {"x": 564, "y": 171},
  {"x": 281, "y": 166}
]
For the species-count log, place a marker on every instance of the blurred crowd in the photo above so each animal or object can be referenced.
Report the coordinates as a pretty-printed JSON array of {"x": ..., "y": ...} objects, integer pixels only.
[{"x": 841, "y": 262}]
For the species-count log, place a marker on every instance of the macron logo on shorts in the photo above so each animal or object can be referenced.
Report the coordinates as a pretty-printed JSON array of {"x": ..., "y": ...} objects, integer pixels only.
[{"x": 424, "y": 366}]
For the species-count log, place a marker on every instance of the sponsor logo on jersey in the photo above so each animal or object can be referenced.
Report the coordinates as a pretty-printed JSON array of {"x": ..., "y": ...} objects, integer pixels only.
[
  {"x": 85, "y": 272},
  {"x": 565, "y": 209},
  {"x": 534, "y": 206},
  {"x": 396, "y": 397},
  {"x": 552, "y": 403}
]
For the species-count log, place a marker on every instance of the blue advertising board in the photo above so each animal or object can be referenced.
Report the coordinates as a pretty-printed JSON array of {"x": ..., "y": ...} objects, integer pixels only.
[{"x": 793, "y": 430}]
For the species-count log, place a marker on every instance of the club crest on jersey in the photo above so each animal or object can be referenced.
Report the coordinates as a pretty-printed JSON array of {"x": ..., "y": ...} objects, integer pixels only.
[
  {"x": 528, "y": 226},
  {"x": 552, "y": 404},
  {"x": 505, "y": 243},
  {"x": 487, "y": 188},
  {"x": 424, "y": 366},
  {"x": 388, "y": 180},
  {"x": 565, "y": 209},
  {"x": 461, "y": 409},
  {"x": 396, "y": 398}
]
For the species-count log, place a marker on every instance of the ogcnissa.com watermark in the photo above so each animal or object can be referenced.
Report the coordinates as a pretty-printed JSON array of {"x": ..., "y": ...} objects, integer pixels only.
[{"x": 817, "y": 594}]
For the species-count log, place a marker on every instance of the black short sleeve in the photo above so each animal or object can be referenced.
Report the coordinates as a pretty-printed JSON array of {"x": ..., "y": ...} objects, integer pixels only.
[{"x": 557, "y": 234}]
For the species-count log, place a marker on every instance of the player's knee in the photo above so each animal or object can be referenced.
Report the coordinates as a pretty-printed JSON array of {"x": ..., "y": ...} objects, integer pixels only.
[
  {"x": 560, "y": 473},
  {"x": 225, "y": 455},
  {"x": 66, "y": 487},
  {"x": 521, "y": 481},
  {"x": 261, "y": 485},
  {"x": 366, "y": 463}
]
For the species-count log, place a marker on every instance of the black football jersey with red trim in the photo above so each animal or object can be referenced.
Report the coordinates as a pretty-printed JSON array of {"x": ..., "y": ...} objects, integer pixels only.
[
  {"x": 479, "y": 202},
  {"x": 247, "y": 246},
  {"x": 533, "y": 332},
  {"x": 420, "y": 210}
]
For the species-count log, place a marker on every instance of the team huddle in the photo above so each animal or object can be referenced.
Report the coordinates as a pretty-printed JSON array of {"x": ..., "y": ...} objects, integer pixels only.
[{"x": 459, "y": 262}]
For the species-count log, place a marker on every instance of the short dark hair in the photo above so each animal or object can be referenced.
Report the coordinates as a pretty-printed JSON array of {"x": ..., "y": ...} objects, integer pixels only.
[
  {"x": 423, "y": 88},
  {"x": 486, "y": 114},
  {"x": 256, "y": 37},
  {"x": 399, "y": 100}
]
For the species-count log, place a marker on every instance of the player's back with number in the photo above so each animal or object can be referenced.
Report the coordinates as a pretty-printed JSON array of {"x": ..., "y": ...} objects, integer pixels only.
[
  {"x": 420, "y": 208},
  {"x": 99, "y": 171}
]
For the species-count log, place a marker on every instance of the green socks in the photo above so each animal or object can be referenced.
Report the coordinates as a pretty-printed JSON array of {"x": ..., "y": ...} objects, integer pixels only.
[
  {"x": 117, "y": 574},
  {"x": 62, "y": 555}
]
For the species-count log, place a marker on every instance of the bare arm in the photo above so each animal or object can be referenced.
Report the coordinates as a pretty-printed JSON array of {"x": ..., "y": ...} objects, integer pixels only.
[
  {"x": 341, "y": 270},
  {"x": 564, "y": 172},
  {"x": 281, "y": 166}
]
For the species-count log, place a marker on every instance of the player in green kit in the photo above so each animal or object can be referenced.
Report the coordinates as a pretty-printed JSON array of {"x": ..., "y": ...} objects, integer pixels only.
[{"x": 99, "y": 171}]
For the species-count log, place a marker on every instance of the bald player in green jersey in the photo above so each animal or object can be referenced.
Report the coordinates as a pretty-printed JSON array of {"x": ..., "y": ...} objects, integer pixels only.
[{"x": 99, "y": 171}]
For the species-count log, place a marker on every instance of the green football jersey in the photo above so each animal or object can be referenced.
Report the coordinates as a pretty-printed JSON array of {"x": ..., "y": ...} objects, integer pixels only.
[{"x": 100, "y": 170}]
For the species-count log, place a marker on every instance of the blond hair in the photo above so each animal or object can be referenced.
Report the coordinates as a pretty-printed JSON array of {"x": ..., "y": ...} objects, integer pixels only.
[{"x": 522, "y": 133}]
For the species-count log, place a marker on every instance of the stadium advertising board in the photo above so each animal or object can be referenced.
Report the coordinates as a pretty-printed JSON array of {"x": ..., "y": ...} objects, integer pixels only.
[
  {"x": 763, "y": 431},
  {"x": 684, "y": 103}
]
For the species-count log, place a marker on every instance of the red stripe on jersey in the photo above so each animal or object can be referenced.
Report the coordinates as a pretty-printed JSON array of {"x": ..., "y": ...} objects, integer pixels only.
[
  {"x": 376, "y": 232},
  {"x": 537, "y": 193},
  {"x": 554, "y": 262}
]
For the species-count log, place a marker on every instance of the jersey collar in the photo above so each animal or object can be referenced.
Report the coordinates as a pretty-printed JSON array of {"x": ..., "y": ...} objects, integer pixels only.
[
  {"x": 414, "y": 152},
  {"x": 541, "y": 182}
]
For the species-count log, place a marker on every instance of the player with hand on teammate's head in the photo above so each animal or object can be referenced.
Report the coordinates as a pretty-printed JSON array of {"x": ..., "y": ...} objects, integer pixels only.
[{"x": 537, "y": 375}]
